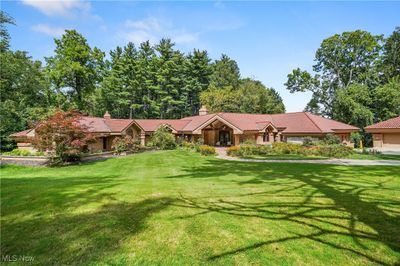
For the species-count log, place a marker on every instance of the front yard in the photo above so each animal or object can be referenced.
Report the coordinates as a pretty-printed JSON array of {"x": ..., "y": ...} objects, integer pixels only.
[{"x": 177, "y": 207}]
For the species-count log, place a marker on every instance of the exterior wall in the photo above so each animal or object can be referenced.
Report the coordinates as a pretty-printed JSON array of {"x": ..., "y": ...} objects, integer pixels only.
[
  {"x": 299, "y": 138},
  {"x": 377, "y": 140},
  {"x": 244, "y": 137},
  {"x": 26, "y": 146}
]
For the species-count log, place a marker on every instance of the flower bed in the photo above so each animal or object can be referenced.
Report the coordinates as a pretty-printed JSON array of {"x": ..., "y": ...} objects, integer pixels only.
[{"x": 282, "y": 148}]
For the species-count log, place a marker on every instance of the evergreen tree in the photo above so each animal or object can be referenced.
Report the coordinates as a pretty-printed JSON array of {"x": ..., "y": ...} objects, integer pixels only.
[{"x": 225, "y": 73}]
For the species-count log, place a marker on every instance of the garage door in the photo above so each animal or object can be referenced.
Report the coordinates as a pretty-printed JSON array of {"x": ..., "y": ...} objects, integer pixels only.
[{"x": 391, "y": 140}]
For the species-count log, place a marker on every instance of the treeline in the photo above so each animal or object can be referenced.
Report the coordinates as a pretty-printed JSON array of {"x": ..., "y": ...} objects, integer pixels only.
[
  {"x": 356, "y": 78},
  {"x": 145, "y": 81}
]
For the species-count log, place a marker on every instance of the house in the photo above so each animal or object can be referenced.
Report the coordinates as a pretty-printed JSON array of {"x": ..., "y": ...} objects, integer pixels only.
[
  {"x": 386, "y": 134},
  {"x": 217, "y": 129}
]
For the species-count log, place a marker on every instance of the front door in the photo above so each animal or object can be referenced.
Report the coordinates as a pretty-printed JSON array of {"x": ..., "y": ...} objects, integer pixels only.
[{"x": 225, "y": 138}]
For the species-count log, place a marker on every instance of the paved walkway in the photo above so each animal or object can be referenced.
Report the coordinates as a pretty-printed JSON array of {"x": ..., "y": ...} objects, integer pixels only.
[{"x": 221, "y": 154}]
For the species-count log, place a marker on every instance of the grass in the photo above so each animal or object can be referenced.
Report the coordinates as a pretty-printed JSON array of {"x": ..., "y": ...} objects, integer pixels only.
[
  {"x": 360, "y": 156},
  {"x": 285, "y": 157},
  {"x": 356, "y": 156},
  {"x": 179, "y": 208}
]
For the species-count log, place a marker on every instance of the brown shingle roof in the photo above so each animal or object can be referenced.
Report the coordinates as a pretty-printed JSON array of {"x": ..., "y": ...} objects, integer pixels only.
[
  {"x": 299, "y": 122},
  {"x": 21, "y": 133},
  {"x": 390, "y": 123},
  {"x": 152, "y": 124}
]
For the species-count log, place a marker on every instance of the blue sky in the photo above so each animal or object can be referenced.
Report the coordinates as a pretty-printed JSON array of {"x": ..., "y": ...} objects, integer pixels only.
[{"x": 267, "y": 39}]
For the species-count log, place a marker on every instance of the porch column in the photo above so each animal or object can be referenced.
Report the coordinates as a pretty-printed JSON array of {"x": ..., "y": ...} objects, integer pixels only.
[
  {"x": 259, "y": 139},
  {"x": 271, "y": 137},
  {"x": 142, "y": 138},
  {"x": 278, "y": 137},
  {"x": 237, "y": 140}
]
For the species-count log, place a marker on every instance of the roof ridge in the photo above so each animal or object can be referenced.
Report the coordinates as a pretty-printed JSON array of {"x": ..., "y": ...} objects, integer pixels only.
[{"x": 312, "y": 120}]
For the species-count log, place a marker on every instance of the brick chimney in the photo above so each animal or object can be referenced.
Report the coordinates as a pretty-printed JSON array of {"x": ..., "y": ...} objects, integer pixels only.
[
  {"x": 203, "y": 110},
  {"x": 107, "y": 115}
]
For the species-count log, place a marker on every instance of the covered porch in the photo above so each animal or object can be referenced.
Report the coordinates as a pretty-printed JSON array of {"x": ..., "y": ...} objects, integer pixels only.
[{"x": 218, "y": 134}]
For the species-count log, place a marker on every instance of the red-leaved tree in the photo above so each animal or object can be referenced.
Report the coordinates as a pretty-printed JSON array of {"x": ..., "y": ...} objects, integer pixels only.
[{"x": 63, "y": 134}]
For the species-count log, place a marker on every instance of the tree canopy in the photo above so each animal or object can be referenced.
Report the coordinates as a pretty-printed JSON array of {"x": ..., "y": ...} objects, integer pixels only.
[{"x": 355, "y": 79}]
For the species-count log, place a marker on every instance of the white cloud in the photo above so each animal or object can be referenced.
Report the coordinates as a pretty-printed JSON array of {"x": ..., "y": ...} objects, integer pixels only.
[
  {"x": 219, "y": 4},
  {"x": 148, "y": 24},
  {"x": 153, "y": 29},
  {"x": 58, "y": 7},
  {"x": 46, "y": 29}
]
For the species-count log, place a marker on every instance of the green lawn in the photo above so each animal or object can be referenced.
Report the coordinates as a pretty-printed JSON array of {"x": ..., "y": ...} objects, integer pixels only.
[
  {"x": 178, "y": 208},
  {"x": 357, "y": 156}
]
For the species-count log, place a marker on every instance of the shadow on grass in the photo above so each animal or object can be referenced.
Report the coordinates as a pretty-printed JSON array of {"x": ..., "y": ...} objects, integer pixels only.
[
  {"x": 350, "y": 194},
  {"x": 62, "y": 220},
  {"x": 81, "y": 237}
]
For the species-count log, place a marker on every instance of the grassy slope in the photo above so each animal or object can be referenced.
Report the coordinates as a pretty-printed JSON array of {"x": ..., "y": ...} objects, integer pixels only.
[{"x": 176, "y": 207}]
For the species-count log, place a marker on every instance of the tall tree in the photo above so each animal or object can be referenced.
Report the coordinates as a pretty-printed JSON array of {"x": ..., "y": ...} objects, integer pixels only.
[
  {"x": 226, "y": 73},
  {"x": 391, "y": 55},
  {"x": 251, "y": 97},
  {"x": 353, "y": 105},
  {"x": 197, "y": 78},
  {"x": 387, "y": 100},
  {"x": 343, "y": 59},
  {"x": 73, "y": 70},
  {"x": 24, "y": 92},
  {"x": 4, "y": 35},
  {"x": 254, "y": 97}
]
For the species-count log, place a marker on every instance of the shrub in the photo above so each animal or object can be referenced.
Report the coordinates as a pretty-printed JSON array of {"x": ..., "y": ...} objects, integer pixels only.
[
  {"x": 163, "y": 139},
  {"x": 247, "y": 150},
  {"x": 18, "y": 152},
  {"x": 124, "y": 144},
  {"x": 233, "y": 151},
  {"x": 249, "y": 142},
  {"x": 331, "y": 139},
  {"x": 356, "y": 138},
  {"x": 335, "y": 151},
  {"x": 308, "y": 142},
  {"x": 206, "y": 150},
  {"x": 286, "y": 148},
  {"x": 187, "y": 145}
]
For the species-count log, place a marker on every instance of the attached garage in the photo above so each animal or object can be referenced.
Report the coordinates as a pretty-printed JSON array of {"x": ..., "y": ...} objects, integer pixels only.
[
  {"x": 386, "y": 134},
  {"x": 391, "y": 140}
]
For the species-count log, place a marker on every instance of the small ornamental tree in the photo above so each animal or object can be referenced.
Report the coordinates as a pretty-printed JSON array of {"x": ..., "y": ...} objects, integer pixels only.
[
  {"x": 63, "y": 134},
  {"x": 163, "y": 139}
]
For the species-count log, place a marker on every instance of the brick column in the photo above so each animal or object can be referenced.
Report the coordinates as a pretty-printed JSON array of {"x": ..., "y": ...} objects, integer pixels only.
[
  {"x": 259, "y": 139},
  {"x": 278, "y": 137},
  {"x": 142, "y": 139},
  {"x": 271, "y": 137}
]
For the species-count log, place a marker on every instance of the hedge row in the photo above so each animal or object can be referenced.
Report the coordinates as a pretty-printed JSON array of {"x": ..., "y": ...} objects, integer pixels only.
[{"x": 281, "y": 148}]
